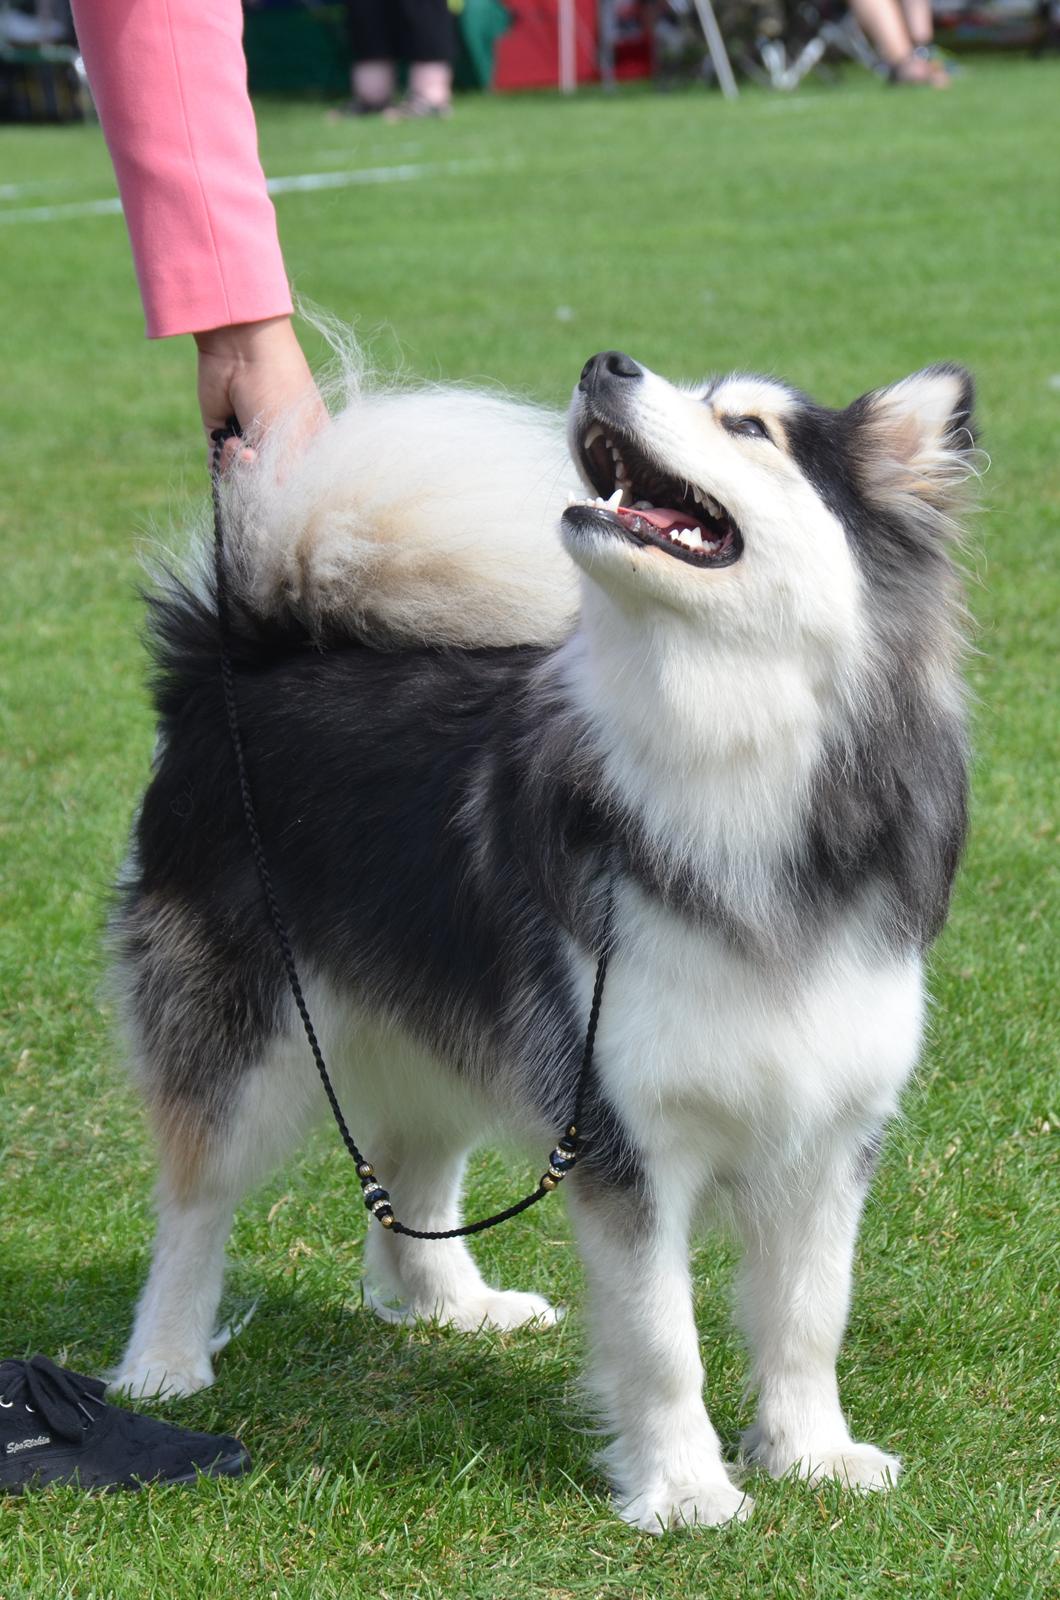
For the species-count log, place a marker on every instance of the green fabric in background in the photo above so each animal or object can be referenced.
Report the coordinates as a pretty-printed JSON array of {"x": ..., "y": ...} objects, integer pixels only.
[
  {"x": 480, "y": 23},
  {"x": 303, "y": 49},
  {"x": 297, "y": 49}
]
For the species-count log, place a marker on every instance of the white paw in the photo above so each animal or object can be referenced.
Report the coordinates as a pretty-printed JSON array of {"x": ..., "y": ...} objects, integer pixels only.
[
  {"x": 858, "y": 1466},
  {"x": 506, "y": 1308},
  {"x": 152, "y": 1377},
  {"x": 494, "y": 1308},
  {"x": 686, "y": 1506}
]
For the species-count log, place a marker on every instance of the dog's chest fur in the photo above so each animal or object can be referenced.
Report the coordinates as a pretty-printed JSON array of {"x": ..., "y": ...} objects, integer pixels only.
[{"x": 708, "y": 1052}]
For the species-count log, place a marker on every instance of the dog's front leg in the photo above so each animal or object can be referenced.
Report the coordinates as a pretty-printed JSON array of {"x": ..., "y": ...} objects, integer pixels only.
[
  {"x": 793, "y": 1296},
  {"x": 665, "y": 1461}
]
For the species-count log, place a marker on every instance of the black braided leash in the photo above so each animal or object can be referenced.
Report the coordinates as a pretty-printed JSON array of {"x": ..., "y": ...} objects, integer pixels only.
[{"x": 376, "y": 1198}]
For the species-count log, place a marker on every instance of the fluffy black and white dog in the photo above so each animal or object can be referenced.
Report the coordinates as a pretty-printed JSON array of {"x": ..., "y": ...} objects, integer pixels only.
[{"x": 732, "y": 677}]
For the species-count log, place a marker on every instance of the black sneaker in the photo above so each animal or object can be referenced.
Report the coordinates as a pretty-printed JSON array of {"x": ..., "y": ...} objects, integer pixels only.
[{"x": 56, "y": 1427}]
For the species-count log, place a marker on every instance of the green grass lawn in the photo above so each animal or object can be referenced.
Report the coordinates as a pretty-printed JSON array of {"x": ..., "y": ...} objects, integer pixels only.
[{"x": 840, "y": 238}]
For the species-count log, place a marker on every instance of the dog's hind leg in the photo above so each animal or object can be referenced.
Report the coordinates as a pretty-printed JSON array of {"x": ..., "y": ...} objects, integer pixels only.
[
  {"x": 169, "y": 1349},
  {"x": 210, "y": 1157},
  {"x": 434, "y": 1280}
]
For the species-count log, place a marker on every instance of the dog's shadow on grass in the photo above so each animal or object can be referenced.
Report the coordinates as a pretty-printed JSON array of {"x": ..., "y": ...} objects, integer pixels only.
[
  {"x": 317, "y": 1381},
  {"x": 333, "y": 1383}
]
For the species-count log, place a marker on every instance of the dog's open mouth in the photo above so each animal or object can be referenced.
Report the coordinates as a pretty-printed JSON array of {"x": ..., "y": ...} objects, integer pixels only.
[{"x": 653, "y": 508}]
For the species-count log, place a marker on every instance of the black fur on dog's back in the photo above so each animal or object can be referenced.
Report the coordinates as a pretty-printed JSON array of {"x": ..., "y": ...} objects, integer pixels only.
[{"x": 379, "y": 780}]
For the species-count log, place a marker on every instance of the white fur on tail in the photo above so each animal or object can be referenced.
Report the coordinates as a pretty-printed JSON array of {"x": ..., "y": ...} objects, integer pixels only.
[{"x": 427, "y": 515}]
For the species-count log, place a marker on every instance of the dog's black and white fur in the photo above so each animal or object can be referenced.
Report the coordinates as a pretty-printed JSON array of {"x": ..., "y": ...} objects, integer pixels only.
[{"x": 736, "y": 679}]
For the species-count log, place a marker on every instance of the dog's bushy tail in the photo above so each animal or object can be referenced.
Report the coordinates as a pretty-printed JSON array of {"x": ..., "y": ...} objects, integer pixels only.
[{"x": 418, "y": 515}]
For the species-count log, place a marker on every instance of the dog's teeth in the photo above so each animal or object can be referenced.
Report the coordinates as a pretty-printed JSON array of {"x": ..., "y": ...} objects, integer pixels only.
[
  {"x": 595, "y": 432},
  {"x": 615, "y": 500}
]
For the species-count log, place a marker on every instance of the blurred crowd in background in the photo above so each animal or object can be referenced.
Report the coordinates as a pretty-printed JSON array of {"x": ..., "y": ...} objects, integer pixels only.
[{"x": 400, "y": 59}]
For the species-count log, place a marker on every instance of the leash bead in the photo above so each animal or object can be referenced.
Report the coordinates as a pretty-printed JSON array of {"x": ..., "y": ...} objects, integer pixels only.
[
  {"x": 548, "y": 1182},
  {"x": 386, "y": 1218},
  {"x": 365, "y": 1170}
]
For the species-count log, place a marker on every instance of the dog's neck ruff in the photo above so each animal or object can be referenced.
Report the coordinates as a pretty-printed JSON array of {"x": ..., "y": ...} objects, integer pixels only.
[{"x": 376, "y": 1198}]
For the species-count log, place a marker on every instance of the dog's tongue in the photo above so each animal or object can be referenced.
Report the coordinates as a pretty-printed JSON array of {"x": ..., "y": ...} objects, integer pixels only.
[{"x": 660, "y": 517}]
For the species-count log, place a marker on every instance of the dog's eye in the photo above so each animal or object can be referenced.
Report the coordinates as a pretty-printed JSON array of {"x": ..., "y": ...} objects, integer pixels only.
[{"x": 748, "y": 427}]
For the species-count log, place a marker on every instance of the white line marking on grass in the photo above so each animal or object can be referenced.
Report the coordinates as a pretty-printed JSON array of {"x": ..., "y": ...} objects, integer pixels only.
[
  {"x": 18, "y": 191},
  {"x": 76, "y": 208},
  {"x": 298, "y": 183},
  {"x": 403, "y": 174}
]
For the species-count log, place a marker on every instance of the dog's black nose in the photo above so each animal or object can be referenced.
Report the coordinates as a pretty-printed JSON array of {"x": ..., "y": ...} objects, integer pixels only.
[{"x": 608, "y": 364}]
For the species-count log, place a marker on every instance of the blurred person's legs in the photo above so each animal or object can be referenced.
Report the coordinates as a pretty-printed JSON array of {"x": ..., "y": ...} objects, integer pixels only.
[
  {"x": 383, "y": 32},
  {"x": 374, "y": 48},
  {"x": 921, "y": 22},
  {"x": 885, "y": 23},
  {"x": 373, "y": 85},
  {"x": 429, "y": 45}
]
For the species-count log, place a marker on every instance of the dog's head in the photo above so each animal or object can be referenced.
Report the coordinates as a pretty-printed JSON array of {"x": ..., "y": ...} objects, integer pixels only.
[{"x": 773, "y": 522}]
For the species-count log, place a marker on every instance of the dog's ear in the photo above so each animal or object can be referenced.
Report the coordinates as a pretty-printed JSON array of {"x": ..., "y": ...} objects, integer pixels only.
[{"x": 914, "y": 443}]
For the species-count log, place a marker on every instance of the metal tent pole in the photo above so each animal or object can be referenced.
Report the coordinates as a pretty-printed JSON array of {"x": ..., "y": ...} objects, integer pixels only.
[
  {"x": 716, "y": 45},
  {"x": 566, "y": 18}
]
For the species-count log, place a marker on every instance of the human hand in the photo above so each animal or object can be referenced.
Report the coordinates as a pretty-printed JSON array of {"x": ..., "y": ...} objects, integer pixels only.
[{"x": 255, "y": 371}]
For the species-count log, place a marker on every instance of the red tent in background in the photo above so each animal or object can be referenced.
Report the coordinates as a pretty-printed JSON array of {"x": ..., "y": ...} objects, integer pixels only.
[{"x": 528, "y": 54}]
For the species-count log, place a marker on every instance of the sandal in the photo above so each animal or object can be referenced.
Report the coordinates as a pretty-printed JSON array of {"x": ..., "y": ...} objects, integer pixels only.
[
  {"x": 919, "y": 69},
  {"x": 360, "y": 108},
  {"x": 414, "y": 106}
]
